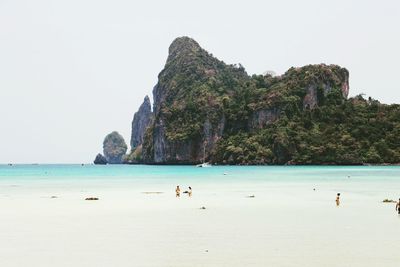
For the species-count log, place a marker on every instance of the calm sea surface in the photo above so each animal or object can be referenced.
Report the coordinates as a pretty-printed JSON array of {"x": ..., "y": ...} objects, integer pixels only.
[
  {"x": 249, "y": 173},
  {"x": 291, "y": 219},
  {"x": 359, "y": 178},
  {"x": 375, "y": 183}
]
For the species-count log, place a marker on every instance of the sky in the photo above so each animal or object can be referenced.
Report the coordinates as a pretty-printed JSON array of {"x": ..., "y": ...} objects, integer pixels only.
[{"x": 73, "y": 71}]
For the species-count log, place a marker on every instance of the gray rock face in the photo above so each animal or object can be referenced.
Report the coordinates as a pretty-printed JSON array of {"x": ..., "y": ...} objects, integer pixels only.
[
  {"x": 159, "y": 142},
  {"x": 188, "y": 151},
  {"x": 311, "y": 98},
  {"x": 166, "y": 151},
  {"x": 114, "y": 148},
  {"x": 211, "y": 136},
  {"x": 185, "y": 59},
  {"x": 263, "y": 117},
  {"x": 100, "y": 160},
  {"x": 141, "y": 120}
]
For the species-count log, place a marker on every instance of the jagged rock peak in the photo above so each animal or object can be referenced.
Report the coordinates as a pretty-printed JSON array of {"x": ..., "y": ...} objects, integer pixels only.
[
  {"x": 140, "y": 122},
  {"x": 146, "y": 102},
  {"x": 183, "y": 46},
  {"x": 145, "y": 107}
]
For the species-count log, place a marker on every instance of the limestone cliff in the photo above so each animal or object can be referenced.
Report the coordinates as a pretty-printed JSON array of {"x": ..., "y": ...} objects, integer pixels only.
[
  {"x": 207, "y": 110},
  {"x": 187, "y": 115},
  {"x": 199, "y": 99}
]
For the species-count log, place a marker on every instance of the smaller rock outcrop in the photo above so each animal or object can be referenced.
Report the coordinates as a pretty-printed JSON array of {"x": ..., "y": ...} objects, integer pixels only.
[
  {"x": 114, "y": 148},
  {"x": 100, "y": 160}
]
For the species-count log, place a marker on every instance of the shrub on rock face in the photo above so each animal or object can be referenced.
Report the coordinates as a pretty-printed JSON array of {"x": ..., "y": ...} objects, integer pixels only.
[
  {"x": 134, "y": 156},
  {"x": 114, "y": 148}
]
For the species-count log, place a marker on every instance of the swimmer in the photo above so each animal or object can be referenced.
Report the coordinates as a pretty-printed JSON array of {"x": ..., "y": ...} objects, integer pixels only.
[
  {"x": 178, "y": 191},
  {"x": 190, "y": 191},
  {"x": 338, "y": 199}
]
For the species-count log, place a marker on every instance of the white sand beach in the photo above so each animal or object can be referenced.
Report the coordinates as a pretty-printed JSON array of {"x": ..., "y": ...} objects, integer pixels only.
[{"x": 285, "y": 224}]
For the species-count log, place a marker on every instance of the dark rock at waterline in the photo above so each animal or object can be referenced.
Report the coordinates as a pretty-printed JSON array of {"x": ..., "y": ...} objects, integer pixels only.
[
  {"x": 92, "y": 198},
  {"x": 388, "y": 201},
  {"x": 100, "y": 160}
]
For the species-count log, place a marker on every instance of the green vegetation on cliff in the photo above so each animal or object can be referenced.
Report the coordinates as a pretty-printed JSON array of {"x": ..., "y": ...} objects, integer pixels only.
[
  {"x": 353, "y": 131},
  {"x": 300, "y": 117},
  {"x": 194, "y": 86}
]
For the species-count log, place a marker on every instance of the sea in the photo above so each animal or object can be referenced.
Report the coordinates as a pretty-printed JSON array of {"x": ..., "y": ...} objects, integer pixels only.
[
  {"x": 237, "y": 215},
  {"x": 374, "y": 181}
]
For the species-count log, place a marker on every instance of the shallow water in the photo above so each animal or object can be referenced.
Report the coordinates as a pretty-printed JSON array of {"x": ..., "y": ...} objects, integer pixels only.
[{"x": 287, "y": 223}]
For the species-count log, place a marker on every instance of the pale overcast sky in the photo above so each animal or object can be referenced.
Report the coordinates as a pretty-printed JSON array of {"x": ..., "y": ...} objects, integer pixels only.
[{"x": 73, "y": 71}]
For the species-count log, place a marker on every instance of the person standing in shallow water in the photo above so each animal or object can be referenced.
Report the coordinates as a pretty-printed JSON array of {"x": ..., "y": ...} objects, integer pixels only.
[
  {"x": 190, "y": 191},
  {"x": 338, "y": 199},
  {"x": 178, "y": 191},
  {"x": 398, "y": 207}
]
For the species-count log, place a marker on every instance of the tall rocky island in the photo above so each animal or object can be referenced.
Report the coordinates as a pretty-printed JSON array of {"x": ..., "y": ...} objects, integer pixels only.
[
  {"x": 207, "y": 110},
  {"x": 114, "y": 149}
]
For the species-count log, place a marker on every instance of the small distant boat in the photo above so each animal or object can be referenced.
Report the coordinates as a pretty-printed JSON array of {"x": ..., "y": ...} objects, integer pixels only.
[{"x": 204, "y": 165}]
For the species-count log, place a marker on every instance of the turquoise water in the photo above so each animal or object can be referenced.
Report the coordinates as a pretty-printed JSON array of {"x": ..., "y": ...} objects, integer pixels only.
[
  {"x": 292, "y": 221},
  {"x": 359, "y": 183},
  {"x": 367, "y": 179},
  {"x": 149, "y": 173},
  {"x": 54, "y": 171},
  {"x": 215, "y": 173}
]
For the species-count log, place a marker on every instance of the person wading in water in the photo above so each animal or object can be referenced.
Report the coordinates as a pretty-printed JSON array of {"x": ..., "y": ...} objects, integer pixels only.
[
  {"x": 338, "y": 199},
  {"x": 398, "y": 207},
  {"x": 190, "y": 191}
]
